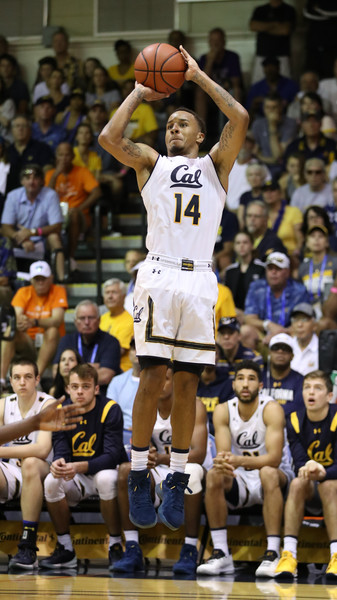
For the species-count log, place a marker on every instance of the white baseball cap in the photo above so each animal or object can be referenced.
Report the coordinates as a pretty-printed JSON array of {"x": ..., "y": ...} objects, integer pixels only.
[
  {"x": 39, "y": 268},
  {"x": 282, "y": 338},
  {"x": 279, "y": 259}
]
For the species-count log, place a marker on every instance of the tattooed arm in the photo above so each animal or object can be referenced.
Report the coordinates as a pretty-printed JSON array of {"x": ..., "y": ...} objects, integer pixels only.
[
  {"x": 233, "y": 134},
  {"x": 139, "y": 156}
]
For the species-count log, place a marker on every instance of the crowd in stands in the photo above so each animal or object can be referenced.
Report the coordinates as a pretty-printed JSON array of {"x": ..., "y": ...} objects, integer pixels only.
[{"x": 275, "y": 259}]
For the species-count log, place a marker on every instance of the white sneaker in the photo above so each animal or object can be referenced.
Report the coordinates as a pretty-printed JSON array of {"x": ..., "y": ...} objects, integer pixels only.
[
  {"x": 268, "y": 565},
  {"x": 217, "y": 564}
]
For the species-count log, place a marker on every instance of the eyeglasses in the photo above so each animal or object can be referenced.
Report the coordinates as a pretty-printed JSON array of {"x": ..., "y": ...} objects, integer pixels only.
[
  {"x": 82, "y": 319},
  {"x": 252, "y": 216},
  {"x": 314, "y": 172},
  {"x": 282, "y": 347}
]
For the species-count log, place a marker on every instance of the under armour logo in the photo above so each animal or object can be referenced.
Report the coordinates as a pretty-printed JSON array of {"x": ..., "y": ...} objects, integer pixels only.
[{"x": 154, "y": 271}]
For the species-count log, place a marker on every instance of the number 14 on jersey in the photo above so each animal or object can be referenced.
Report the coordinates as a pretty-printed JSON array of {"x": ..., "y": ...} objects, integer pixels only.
[{"x": 191, "y": 209}]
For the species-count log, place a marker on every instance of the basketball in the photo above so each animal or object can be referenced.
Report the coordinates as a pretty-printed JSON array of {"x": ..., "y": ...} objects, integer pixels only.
[{"x": 160, "y": 67}]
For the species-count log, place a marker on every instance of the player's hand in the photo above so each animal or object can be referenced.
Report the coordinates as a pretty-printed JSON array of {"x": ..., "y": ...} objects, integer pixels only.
[
  {"x": 312, "y": 470},
  {"x": 152, "y": 458},
  {"x": 149, "y": 94},
  {"x": 56, "y": 417},
  {"x": 57, "y": 468},
  {"x": 192, "y": 65},
  {"x": 220, "y": 463}
]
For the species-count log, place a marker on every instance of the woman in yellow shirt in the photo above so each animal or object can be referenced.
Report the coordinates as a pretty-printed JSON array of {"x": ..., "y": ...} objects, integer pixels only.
[
  {"x": 125, "y": 67},
  {"x": 83, "y": 156},
  {"x": 286, "y": 221}
]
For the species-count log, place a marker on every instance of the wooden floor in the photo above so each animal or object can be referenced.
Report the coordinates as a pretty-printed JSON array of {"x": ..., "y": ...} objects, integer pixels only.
[{"x": 97, "y": 582}]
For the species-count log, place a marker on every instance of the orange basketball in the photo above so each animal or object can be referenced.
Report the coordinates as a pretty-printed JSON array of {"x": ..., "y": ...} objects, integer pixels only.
[{"x": 160, "y": 67}]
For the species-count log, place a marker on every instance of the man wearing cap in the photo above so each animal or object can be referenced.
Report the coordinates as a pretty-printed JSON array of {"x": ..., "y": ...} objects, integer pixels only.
[
  {"x": 280, "y": 381},
  {"x": 39, "y": 310},
  {"x": 44, "y": 129},
  {"x": 269, "y": 301},
  {"x": 317, "y": 190},
  {"x": 318, "y": 272},
  {"x": 32, "y": 216},
  {"x": 232, "y": 351},
  {"x": 273, "y": 133},
  {"x": 312, "y": 143},
  {"x": 305, "y": 340},
  {"x": 256, "y": 223}
]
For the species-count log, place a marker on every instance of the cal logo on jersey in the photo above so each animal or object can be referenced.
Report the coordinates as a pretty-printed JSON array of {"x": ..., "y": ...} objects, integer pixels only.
[{"x": 182, "y": 179}]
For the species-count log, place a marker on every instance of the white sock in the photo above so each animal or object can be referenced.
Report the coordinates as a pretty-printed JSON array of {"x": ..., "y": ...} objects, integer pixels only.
[
  {"x": 290, "y": 544},
  {"x": 192, "y": 541},
  {"x": 273, "y": 543},
  {"x": 65, "y": 540},
  {"x": 114, "y": 539},
  {"x": 219, "y": 539},
  {"x": 139, "y": 459},
  {"x": 131, "y": 535},
  {"x": 178, "y": 461},
  {"x": 333, "y": 547}
]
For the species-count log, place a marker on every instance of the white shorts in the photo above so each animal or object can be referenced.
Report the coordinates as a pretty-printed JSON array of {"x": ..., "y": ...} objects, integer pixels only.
[
  {"x": 250, "y": 487},
  {"x": 103, "y": 483},
  {"x": 174, "y": 311},
  {"x": 13, "y": 477}
]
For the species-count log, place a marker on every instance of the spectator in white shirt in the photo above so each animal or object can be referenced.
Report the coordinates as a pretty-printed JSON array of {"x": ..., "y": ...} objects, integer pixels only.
[{"x": 305, "y": 347}]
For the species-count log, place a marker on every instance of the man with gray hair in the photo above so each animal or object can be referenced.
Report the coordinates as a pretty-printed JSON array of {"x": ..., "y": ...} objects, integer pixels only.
[
  {"x": 117, "y": 321},
  {"x": 256, "y": 223},
  {"x": 95, "y": 346},
  {"x": 316, "y": 191}
]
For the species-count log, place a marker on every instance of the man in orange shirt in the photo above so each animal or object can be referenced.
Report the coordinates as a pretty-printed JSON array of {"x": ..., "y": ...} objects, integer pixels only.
[
  {"x": 79, "y": 189},
  {"x": 39, "y": 310}
]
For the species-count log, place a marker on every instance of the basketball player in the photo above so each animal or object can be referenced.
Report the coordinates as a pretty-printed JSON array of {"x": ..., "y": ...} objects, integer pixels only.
[
  {"x": 251, "y": 467},
  {"x": 176, "y": 290}
]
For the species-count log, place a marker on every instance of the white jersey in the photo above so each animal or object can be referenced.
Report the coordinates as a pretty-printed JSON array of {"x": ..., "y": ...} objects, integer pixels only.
[
  {"x": 184, "y": 200},
  {"x": 12, "y": 414}
]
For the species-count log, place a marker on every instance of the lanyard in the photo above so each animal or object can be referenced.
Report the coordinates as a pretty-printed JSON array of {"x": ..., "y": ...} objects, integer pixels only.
[
  {"x": 94, "y": 352},
  {"x": 279, "y": 217},
  {"x": 282, "y": 318},
  {"x": 321, "y": 274}
]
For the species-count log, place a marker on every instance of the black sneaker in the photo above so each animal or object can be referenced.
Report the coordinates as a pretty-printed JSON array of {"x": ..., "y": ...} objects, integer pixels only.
[
  {"x": 115, "y": 554},
  {"x": 60, "y": 559},
  {"x": 25, "y": 558}
]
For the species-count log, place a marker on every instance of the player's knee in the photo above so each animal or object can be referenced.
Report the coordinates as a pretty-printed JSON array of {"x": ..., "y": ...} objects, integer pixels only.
[
  {"x": 30, "y": 467},
  {"x": 214, "y": 480},
  {"x": 53, "y": 489},
  {"x": 106, "y": 484},
  {"x": 123, "y": 473},
  {"x": 269, "y": 477},
  {"x": 328, "y": 490},
  {"x": 196, "y": 473}
]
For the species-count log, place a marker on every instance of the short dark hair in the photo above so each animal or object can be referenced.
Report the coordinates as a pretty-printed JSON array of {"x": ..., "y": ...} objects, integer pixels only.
[
  {"x": 23, "y": 361},
  {"x": 199, "y": 120},
  {"x": 48, "y": 60},
  {"x": 319, "y": 374},
  {"x": 63, "y": 31},
  {"x": 85, "y": 371},
  {"x": 248, "y": 364},
  {"x": 119, "y": 43},
  {"x": 10, "y": 59}
]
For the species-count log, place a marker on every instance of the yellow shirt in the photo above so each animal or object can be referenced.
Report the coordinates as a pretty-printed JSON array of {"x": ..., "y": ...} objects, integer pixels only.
[
  {"x": 94, "y": 163},
  {"x": 225, "y": 306},
  {"x": 121, "y": 327},
  {"x": 117, "y": 76},
  {"x": 292, "y": 216},
  {"x": 143, "y": 120}
]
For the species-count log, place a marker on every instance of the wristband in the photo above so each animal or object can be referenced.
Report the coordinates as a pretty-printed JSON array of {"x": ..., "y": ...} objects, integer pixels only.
[
  {"x": 39, "y": 231},
  {"x": 333, "y": 290}
]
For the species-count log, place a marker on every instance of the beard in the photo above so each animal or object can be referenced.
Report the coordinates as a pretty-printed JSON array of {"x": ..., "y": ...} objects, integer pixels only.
[{"x": 246, "y": 400}]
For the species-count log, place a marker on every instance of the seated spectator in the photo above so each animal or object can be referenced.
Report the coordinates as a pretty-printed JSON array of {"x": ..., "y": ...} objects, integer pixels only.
[
  {"x": 269, "y": 301},
  {"x": 241, "y": 478},
  {"x": 76, "y": 474},
  {"x": 94, "y": 345},
  {"x": 313, "y": 450},
  {"x": 78, "y": 188},
  {"x": 32, "y": 217},
  {"x": 318, "y": 271},
  {"x": 283, "y": 220},
  {"x": 327, "y": 89},
  {"x": 293, "y": 176},
  {"x": 280, "y": 381},
  {"x": 316, "y": 191},
  {"x": 117, "y": 321},
  {"x": 272, "y": 82},
  {"x": 230, "y": 348},
  {"x": 73, "y": 115},
  {"x": 199, "y": 460},
  {"x": 59, "y": 91},
  {"x": 7, "y": 113},
  {"x": 305, "y": 340},
  {"x": 225, "y": 306},
  {"x": 44, "y": 128},
  {"x": 315, "y": 215},
  {"x": 123, "y": 388},
  {"x": 312, "y": 143},
  {"x": 24, "y": 462},
  {"x": 223, "y": 66},
  {"x": 244, "y": 270},
  {"x": 124, "y": 69},
  {"x": 223, "y": 249},
  {"x": 273, "y": 133},
  {"x": 16, "y": 89},
  {"x": 256, "y": 176},
  {"x": 214, "y": 388},
  {"x": 104, "y": 89},
  {"x": 7, "y": 271},
  {"x": 24, "y": 151},
  {"x": 265, "y": 240},
  {"x": 47, "y": 66},
  {"x": 309, "y": 81},
  {"x": 84, "y": 156},
  {"x": 237, "y": 180},
  {"x": 39, "y": 309},
  {"x": 68, "y": 359},
  {"x": 72, "y": 67},
  {"x": 184, "y": 96},
  {"x": 89, "y": 66}
]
